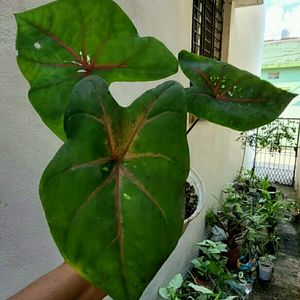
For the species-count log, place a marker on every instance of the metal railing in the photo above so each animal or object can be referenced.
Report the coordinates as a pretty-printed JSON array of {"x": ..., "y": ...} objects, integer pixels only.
[{"x": 280, "y": 167}]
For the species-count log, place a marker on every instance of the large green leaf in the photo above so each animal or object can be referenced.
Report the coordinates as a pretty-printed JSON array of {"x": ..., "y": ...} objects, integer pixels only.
[
  {"x": 113, "y": 194},
  {"x": 60, "y": 43},
  {"x": 226, "y": 95}
]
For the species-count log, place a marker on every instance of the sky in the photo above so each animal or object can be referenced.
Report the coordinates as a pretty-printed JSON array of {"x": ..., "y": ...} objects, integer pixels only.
[{"x": 282, "y": 15}]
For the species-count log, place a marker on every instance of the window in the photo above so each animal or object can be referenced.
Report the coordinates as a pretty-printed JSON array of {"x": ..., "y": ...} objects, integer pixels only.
[
  {"x": 207, "y": 27},
  {"x": 273, "y": 75}
]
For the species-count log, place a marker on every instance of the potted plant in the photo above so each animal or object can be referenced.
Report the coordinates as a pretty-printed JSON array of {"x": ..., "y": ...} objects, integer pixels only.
[
  {"x": 272, "y": 210},
  {"x": 246, "y": 226},
  {"x": 266, "y": 267},
  {"x": 194, "y": 197},
  {"x": 120, "y": 175}
]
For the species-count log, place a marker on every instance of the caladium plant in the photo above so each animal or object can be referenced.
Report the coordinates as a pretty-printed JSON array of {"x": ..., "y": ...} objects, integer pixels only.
[{"x": 113, "y": 194}]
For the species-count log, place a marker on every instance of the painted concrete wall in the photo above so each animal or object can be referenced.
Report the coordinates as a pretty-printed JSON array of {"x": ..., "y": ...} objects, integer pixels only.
[
  {"x": 246, "y": 46},
  {"x": 246, "y": 37},
  {"x": 297, "y": 176},
  {"x": 26, "y": 248},
  {"x": 26, "y": 146},
  {"x": 293, "y": 109},
  {"x": 288, "y": 78},
  {"x": 294, "y": 112}
]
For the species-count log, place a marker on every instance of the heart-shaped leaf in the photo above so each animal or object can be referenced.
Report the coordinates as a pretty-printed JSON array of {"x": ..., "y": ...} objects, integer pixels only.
[
  {"x": 60, "y": 43},
  {"x": 113, "y": 194},
  {"x": 226, "y": 95}
]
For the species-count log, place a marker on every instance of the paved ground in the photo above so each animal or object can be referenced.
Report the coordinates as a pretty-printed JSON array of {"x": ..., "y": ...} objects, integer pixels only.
[{"x": 285, "y": 284}]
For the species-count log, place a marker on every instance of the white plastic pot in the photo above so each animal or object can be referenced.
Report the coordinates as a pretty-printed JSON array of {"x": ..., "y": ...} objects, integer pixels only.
[
  {"x": 265, "y": 270},
  {"x": 196, "y": 182}
]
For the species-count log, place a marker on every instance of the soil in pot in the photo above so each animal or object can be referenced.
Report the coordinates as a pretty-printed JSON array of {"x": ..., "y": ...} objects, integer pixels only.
[{"x": 191, "y": 200}]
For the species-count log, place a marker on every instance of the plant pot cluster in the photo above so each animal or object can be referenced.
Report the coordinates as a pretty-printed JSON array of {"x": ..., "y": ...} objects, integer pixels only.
[
  {"x": 243, "y": 240},
  {"x": 249, "y": 216}
]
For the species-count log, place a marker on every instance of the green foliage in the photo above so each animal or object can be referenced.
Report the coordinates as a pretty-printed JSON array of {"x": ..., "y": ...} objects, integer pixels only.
[
  {"x": 201, "y": 264},
  {"x": 234, "y": 201},
  {"x": 254, "y": 236},
  {"x": 250, "y": 219},
  {"x": 105, "y": 176},
  {"x": 247, "y": 218},
  {"x": 114, "y": 192},
  {"x": 212, "y": 261},
  {"x": 204, "y": 293},
  {"x": 171, "y": 292},
  {"x": 212, "y": 250},
  {"x": 174, "y": 291},
  {"x": 267, "y": 258},
  {"x": 272, "y": 210},
  {"x": 228, "y": 96},
  {"x": 208, "y": 267},
  {"x": 60, "y": 43},
  {"x": 211, "y": 218},
  {"x": 201, "y": 289},
  {"x": 294, "y": 208},
  {"x": 248, "y": 177},
  {"x": 271, "y": 136},
  {"x": 264, "y": 184}
]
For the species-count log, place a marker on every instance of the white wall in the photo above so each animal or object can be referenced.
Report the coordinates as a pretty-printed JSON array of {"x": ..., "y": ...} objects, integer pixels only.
[
  {"x": 246, "y": 37},
  {"x": 26, "y": 247},
  {"x": 246, "y": 46},
  {"x": 292, "y": 110},
  {"x": 297, "y": 176}
]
